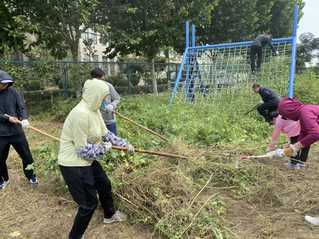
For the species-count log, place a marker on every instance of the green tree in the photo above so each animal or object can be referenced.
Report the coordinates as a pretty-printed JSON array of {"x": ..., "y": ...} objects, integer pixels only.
[
  {"x": 144, "y": 27},
  {"x": 13, "y": 28},
  {"x": 60, "y": 22},
  {"x": 307, "y": 48},
  {"x": 237, "y": 20},
  {"x": 282, "y": 17},
  {"x": 230, "y": 21}
]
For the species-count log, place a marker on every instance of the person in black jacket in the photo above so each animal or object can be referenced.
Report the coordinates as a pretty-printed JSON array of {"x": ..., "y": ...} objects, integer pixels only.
[
  {"x": 256, "y": 49},
  {"x": 13, "y": 118},
  {"x": 270, "y": 102}
]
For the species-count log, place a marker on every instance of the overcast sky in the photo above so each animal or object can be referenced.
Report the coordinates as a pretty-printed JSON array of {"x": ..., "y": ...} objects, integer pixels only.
[{"x": 309, "y": 21}]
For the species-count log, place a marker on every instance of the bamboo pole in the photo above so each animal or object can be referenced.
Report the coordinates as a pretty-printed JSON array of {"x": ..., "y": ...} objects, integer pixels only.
[
  {"x": 44, "y": 133},
  {"x": 152, "y": 152},
  {"x": 117, "y": 147},
  {"x": 141, "y": 126}
]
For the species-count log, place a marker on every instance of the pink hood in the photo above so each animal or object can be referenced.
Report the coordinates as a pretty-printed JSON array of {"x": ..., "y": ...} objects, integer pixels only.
[{"x": 290, "y": 108}]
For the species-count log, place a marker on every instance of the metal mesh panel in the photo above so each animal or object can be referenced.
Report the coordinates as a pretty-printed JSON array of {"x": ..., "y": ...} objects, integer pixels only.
[{"x": 214, "y": 74}]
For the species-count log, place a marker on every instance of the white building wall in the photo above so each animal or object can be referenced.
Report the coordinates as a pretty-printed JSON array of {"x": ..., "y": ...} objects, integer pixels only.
[
  {"x": 110, "y": 67},
  {"x": 97, "y": 45}
]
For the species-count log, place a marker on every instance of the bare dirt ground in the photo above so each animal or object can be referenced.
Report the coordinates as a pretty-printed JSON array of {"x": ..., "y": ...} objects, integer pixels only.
[
  {"x": 28, "y": 212},
  {"x": 282, "y": 216},
  {"x": 39, "y": 213}
]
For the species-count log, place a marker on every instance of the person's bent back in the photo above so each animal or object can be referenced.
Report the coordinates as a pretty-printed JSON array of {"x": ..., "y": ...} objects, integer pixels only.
[{"x": 270, "y": 101}]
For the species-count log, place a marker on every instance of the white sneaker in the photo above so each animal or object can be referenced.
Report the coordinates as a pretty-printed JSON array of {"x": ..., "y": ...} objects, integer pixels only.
[
  {"x": 293, "y": 166},
  {"x": 312, "y": 220},
  {"x": 301, "y": 165},
  {"x": 4, "y": 184},
  {"x": 117, "y": 217}
]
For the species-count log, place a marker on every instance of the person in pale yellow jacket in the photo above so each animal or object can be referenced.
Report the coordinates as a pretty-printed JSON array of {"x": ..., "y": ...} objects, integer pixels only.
[{"x": 84, "y": 140}]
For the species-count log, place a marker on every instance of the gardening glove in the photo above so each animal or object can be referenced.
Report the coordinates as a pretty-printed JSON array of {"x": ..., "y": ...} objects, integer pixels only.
[
  {"x": 278, "y": 153},
  {"x": 109, "y": 108},
  {"x": 292, "y": 150},
  {"x": 107, "y": 146},
  {"x": 25, "y": 124},
  {"x": 130, "y": 149}
]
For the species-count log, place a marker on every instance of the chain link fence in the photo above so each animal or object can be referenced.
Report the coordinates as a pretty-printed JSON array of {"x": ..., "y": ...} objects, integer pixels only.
[{"x": 39, "y": 80}]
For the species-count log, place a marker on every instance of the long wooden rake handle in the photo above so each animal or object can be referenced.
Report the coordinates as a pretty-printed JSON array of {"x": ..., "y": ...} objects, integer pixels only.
[
  {"x": 44, "y": 133},
  {"x": 117, "y": 147},
  {"x": 256, "y": 157},
  {"x": 141, "y": 126},
  {"x": 152, "y": 152},
  {"x": 265, "y": 156}
]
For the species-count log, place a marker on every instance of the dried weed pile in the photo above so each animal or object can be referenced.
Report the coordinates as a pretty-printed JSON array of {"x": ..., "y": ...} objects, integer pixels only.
[{"x": 186, "y": 198}]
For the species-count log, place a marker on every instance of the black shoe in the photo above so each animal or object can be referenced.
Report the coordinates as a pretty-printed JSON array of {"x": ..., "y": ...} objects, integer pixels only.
[{"x": 34, "y": 181}]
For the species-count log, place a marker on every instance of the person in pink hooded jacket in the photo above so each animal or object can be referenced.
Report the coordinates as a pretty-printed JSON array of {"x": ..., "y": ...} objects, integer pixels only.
[
  {"x": 308, "y": 116},
  {"x": 291, "y": 129}
]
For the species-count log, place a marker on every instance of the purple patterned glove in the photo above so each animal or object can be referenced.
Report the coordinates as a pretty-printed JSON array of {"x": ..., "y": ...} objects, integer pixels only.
[
  {"x": 92, "y": 152},
  {"x": 115, "y": 140}
]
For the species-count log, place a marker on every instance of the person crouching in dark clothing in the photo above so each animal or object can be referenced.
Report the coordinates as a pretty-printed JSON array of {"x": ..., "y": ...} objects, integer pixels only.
[{"x": 270, "y": 102}]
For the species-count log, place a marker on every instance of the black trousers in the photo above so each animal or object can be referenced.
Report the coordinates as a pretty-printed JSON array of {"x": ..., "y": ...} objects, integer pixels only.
[
  {"x": 84, "y": 183},
  {"x": 302, "y": 154},
  {"x": 266, "y": 108},
  {"x": 20, "y": 144},
  {"x": 255, "y": 51}
]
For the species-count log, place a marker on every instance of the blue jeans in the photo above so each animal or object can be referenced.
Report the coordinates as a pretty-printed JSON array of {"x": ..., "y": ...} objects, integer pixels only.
[{"x": 112, "y": 127}]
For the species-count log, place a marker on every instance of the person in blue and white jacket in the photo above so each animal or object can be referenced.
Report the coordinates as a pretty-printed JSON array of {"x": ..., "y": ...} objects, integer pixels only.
[
  {"x": 84, "y": 140},
  {"x": 110, "y": 102}
]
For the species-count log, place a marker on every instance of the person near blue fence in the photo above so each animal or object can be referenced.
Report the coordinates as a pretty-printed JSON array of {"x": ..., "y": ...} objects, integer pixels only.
[
  {"x": 270, "y": 101},
  {"x": 13, "y": 119},
  {"x": 256, "y": 50},
  {"x": 308, "y": 116},
  {"x": 110, "y": 103},
  {"x": 84, "y": 140},
  {"x": 291, "y": 129}
]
